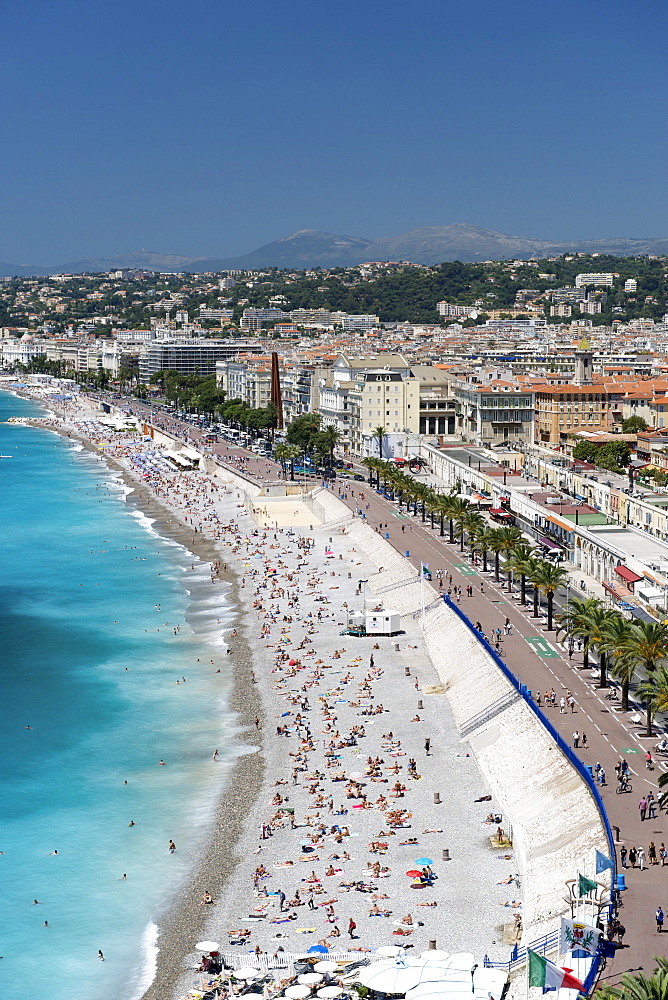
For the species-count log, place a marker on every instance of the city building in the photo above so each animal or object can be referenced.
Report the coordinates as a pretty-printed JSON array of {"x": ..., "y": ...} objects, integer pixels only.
[{"x": 581, "y": 280}]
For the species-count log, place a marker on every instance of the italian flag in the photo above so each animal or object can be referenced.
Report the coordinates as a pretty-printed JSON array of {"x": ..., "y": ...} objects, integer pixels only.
[{"x": 549, "y": 976}]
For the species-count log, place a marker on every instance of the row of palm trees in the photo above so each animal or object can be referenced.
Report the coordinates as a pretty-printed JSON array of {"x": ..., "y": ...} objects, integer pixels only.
[
  {"x": 522, "y": 562},
  {"x": 625, "y": 648}
]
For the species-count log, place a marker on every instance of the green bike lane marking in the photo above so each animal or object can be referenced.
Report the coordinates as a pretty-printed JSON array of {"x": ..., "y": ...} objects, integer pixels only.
[
  {"x": 542, "y": 647},
  {"x": 464, "y": 569}
]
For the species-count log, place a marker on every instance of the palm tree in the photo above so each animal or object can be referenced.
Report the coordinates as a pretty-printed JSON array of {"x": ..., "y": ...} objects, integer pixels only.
[
  {"x": 548, "y": 578},
  {"x": 520, "y": 563},
  {"x": 372, "y": 465},
  {"x": 422, "y": 493},
  {"x": 379, "y": 433},
  {"x": 654, "y": 694},
  {"x": 333, "y": 437},
  {"x": 293, "y": 452},
  {"x": 639, "y": 986},
  {"x": 496, "y": 544},
  {"x": 485, "y": 539},
  {"x": 472, "y": 523},
  {"x": 507, "y": 539},
  {"x": 646, "y": 647},
  {"x": 615, "y": 643},
  {"x": 574, "y": 622},
  {"x": 458, "y": 513},
  {"x": 599, "y": 619},
  {"x": 282, "y": 454}
]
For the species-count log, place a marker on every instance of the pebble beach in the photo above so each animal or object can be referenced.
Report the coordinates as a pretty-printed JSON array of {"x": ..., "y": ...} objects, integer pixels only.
[{"x": 353, "y": 816}]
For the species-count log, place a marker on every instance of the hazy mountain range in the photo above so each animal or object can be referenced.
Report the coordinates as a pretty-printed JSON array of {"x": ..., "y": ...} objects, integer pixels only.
[{"x": 312, "y": 248}]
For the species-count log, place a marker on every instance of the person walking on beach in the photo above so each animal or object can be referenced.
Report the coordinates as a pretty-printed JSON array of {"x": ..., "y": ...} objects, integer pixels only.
[
  {"x": 351, "y": 928},
  {"x": 281, "y": 899},
  {"x": 427, "y": 745}
]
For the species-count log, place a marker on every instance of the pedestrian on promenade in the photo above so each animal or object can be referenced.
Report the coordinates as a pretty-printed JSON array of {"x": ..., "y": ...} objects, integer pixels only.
[
  {"x": 539, "y": 699},
  {"x": 663, "y": 853},
  {"x": 651, "y": 805},
  {"x": 633, "y": 857},
  {"x": 651, "y": 853},
  {"x": 583, "y": 740},
  {"x": 570, "y": 701},
  {"x": 562, "y": 705},
  {"x": 641, "y": 859},
  {"x": 642, "y": 807},
  {"x": 597, "y": 768},
  {"x": 482, "y": 587},
  {"x": 621, "y": 931},
  {"x": 576, "y": 740},
  {"x": 601, "y": 777},
  {"x": 623, "y": 855},
  {"x": 659, "y": 919}
]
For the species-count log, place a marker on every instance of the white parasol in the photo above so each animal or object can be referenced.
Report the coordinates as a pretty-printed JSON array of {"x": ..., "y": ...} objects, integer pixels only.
[
  {"x": 325, "y": 966},
  {"x": 297, "y": 992},
  {"x": 400, "y": 975},
  {"x": 330, "y": 992},
  {"x": 310, "y": 978},
  {"x": 435, "y": 955},
  {"x": 207, "y": 946},
  {"x": 389, "y": 951}
]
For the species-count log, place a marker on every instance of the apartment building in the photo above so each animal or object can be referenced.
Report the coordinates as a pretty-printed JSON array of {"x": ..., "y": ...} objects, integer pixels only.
[
  {"x": 494, "y": 413},
  {"x": 581, "y": 280},
  {"x": 381, "y": 397},
  {"x": 192, "y": 357}
]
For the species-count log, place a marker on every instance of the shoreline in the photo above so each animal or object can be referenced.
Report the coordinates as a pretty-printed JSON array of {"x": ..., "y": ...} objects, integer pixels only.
[{"x": 184, "y": 919}]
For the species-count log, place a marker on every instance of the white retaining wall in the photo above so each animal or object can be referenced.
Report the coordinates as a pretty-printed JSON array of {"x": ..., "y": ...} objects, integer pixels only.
[{"x": 555, "y": 823}]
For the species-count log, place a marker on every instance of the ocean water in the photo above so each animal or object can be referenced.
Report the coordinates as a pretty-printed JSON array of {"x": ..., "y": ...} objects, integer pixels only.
[{"x": 90, "y": 595}]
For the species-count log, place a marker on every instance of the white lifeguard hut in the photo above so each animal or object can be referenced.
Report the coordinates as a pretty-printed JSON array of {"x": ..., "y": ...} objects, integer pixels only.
[{"x": 382, "y": 621}]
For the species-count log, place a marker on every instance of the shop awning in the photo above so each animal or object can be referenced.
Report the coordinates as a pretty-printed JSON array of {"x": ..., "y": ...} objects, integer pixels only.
[
  {"x": 609, "y": 587},
  {"x": 627, "y": 574},
  {"x": 549, "y": 544},
  {"x": 559, "y": 523}
]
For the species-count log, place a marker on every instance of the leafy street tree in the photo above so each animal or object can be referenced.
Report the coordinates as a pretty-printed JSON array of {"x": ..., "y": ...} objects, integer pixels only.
[
  {"x": 633, "y": 424},
  {"x": 520, "y": 563}
]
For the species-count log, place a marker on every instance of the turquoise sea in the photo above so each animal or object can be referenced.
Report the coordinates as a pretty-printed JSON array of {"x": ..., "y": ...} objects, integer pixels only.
[{"x": 90, "y": 595}]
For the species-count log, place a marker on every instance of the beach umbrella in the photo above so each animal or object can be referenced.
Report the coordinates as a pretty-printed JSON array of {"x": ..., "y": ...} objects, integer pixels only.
[
  {"x": 398, "y": 976},
  {"x": 423, "y": 861},
  {"x": 330, "y": 992},
  {"x": 298, "y": 992},
  {"x": 449, "y": 991},
  {"x": 389, "y": 950},
  {"x": 325, "y": 967},
  {"x": 318, "y": 949},
  {"x": 414, "y": 873},
  {"x": 207, "y": 946},
  {"x": 310, "y": 979},
  {"x": 435, "y": 955},
  {"x": 246, "y": 973}
]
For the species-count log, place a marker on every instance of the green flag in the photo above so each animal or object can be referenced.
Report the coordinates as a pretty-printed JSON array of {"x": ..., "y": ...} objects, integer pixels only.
[{"x": 585, "y": 886}]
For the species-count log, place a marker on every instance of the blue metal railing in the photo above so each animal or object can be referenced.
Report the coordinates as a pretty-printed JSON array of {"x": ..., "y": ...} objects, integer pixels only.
[
  {"x": 518, "y": 956},
  {"x": 567, "y": 752}
]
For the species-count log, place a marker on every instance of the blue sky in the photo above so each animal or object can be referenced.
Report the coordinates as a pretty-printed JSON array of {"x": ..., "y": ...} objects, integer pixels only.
[{"x": 210, "y": 127}]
